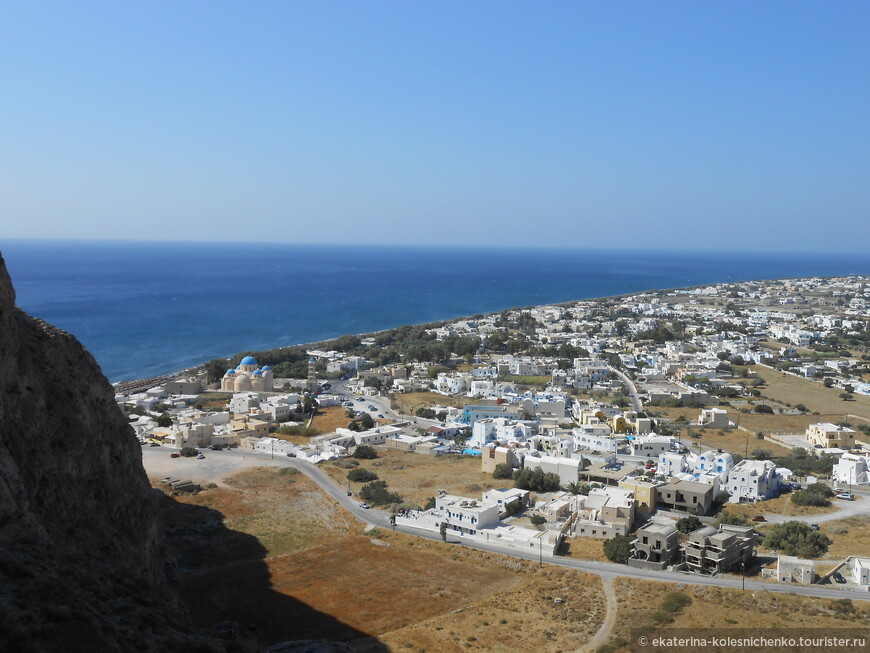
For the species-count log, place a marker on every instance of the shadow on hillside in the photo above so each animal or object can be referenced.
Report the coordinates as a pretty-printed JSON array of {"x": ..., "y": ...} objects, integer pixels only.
[{"x": 224, "y": 581}]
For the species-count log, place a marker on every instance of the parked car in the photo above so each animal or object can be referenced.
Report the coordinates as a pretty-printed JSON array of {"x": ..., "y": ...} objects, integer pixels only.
[
  {"x": 838, "y": 577},
  {"x": 814, "y": 527},
  {"x": 215, "y": 447},
  {"x": 759, "y": 518},
  {"x": 363, "y": 504},
  {"x": 175, "y": 455},
  {"x": 380, "y": 414},
  {"x": 291, "y": 454},
  {"x": 200, "y": 456},
  {"x": 847, "y": 496},
  {"x": 154, "y": 444}
]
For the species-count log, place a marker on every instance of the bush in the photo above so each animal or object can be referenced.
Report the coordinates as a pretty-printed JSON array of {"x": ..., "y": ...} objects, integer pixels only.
[
  {"x": 360, "y": 475},
  {"x": 298, "y": 429},
  {"x": 503, "y": 470},
  {"x": 676, "y": 601},
  {"x": 164, "y": 420},
  {"x": 430, "y": 503},
  {"x": 817, "y": 494},
  {"x": 188, "y": 452},
  {"x": 763, "y": 409},
  {"x": 618, "y": 549},
  {"x": 688, "y": 524},
  {"x": 731, "y": 519},
  {"x": 365, "y": 452},
  {"x": 377, "y": 494},
  {"x": 797, "y": 539},
  {"x": 538, "y": 520}
]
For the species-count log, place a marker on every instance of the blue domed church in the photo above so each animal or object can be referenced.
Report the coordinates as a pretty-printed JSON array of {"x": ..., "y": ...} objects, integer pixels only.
[{"x": 248, "y": 377}]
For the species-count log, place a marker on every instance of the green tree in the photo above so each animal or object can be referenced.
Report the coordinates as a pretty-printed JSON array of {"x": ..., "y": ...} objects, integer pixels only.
[
  {"x": 309, "y": 404},
  {"x": 215, "y": 369},
  {"x": 538, "y": 520},
  {"x": 726, "y": 517},
  {"x": 377, "y": 494},
  {"x": 430, "y": 503},
  {"x": 618, "y": 549},
  {"x": 365, "y": 452},
  {"x": 188, "y": 452},
  {"x": 366, "y": 422},
  {"x": 164, "y": 420}
]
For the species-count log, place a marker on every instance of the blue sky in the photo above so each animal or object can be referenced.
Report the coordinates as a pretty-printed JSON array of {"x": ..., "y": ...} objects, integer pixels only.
[{"x": 665, "y": 125}]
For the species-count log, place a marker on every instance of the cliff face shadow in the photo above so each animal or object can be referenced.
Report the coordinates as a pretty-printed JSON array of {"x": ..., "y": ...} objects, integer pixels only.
[{"x": 222, "y": 577}]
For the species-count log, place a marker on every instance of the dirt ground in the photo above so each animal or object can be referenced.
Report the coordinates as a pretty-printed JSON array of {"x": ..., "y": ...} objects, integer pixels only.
[
  {"x": 737, "y": 441},
  {"x": 417, "y": 477}
]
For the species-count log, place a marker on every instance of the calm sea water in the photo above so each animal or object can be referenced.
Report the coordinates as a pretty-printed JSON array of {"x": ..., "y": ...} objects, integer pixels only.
[{"x": 144, "y": 309}]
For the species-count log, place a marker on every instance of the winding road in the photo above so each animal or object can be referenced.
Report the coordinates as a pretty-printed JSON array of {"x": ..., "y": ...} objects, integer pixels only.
[{"x": 607, "y": 570}]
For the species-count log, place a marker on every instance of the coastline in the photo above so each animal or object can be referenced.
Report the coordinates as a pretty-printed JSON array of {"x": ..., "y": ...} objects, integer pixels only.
[{"x": 191, "y": 370}]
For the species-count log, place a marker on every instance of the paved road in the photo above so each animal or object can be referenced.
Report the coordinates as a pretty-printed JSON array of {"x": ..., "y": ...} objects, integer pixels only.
[
  {"x": 604, "y": 569},
  {"x": 632, "y": 390}
]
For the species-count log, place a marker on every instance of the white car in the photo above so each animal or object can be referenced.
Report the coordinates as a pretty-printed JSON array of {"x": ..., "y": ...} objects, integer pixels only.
[{"x": 848, "y": 496}]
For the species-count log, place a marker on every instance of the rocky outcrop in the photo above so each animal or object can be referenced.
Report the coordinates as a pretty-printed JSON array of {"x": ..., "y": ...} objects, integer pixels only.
[{"x": 83, "y": 560}]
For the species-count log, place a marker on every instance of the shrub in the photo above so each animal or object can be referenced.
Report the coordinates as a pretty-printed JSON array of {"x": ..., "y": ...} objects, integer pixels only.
[
  {"x": 726, "y": 517},
  {"x": 188, "y": 452},
  {"x": 538, "y": 520},
  {"x": 503, "y": 470},
  {"x": 361, "y": 475},
  {"x": 688, "y": 524},
  {"x": 797, "y": 539},
  {"x": 817, "y": 494},
  {"x": 430, "y": 503},
  {"x": 513, "y": 507},
  {"x": 763, "y": 409},
  {"x": 365, "y": 452},
  {"x": 676, "y": 601},
  {"x": 618, "y": 549},
  {"x": 298, "y": 429}
]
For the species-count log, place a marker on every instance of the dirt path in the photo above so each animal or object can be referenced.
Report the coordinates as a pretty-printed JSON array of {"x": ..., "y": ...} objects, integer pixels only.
[{"x": 600, "y": 638}]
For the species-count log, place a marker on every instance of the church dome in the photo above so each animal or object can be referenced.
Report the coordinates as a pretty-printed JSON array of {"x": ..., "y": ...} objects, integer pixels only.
[
  {"x": 266, "y": 368},
  {"x": 249, "y": 360},
  {"x": 231, "y": 371},
  {"x": 258, "y": 373}
]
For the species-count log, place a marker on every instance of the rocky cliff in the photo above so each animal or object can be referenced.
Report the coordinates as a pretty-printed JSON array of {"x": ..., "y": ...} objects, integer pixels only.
[{"x": 83, "y": 561}]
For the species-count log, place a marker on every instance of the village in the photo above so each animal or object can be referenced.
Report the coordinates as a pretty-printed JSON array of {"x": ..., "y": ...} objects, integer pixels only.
[{"x": 661, "y": 424}]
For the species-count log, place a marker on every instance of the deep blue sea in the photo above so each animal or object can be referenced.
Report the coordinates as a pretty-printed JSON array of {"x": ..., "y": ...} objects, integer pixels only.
[{"x": 146, "y": 308}]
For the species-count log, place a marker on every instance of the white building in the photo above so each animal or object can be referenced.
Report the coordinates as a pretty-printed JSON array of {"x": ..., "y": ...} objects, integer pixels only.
[
  {"x": 860, "y": 570},
  {"x": 852, "y": 469},
  {"x": 753, "y": 480},
  {"x": 594, "y": 439},
  {"x": 498, "y": 429},
  {"x": 567, "y": 469},
  {"x": 650, "y": 446}
]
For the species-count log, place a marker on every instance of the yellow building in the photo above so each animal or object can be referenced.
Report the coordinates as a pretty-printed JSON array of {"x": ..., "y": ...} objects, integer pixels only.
[{"x": 828, "y": 436}]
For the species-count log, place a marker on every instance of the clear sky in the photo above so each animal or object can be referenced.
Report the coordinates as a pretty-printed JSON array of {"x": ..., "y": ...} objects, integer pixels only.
[{"x": 732, "y": 125}]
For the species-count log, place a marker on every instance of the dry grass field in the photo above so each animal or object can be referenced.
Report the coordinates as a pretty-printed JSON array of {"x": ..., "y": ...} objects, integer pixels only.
[
  {"x": 718, "y": 607},
  {"x": 739, "y": 441},
  {"x": 411, "y": 401},
  {"x": 309, "y": 571},
  {"x": 850, "y": 536},
  {"x": 815, "y": 396},
  {"x": 417, "y": 477},
  {"x": 326, "y": 420},
  {"x": 785, "y": 424},
  {"x": 584, "y": 548},
  {"x": 780, "y": 506}
]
